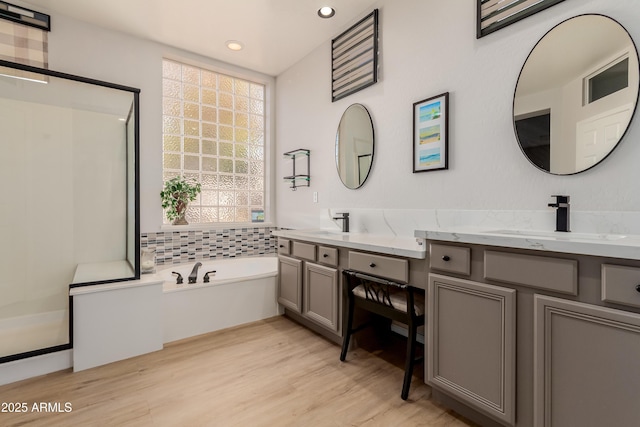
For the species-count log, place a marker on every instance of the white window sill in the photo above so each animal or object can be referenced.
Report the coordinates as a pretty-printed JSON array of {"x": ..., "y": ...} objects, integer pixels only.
[{"x": 215, "y": 226}]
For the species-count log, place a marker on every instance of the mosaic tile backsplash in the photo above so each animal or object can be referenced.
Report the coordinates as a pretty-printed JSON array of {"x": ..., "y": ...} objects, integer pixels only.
[{"x": 175, "y": 247}]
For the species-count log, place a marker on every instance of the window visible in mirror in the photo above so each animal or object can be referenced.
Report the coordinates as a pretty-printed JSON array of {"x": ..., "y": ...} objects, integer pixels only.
[{"x": 610, "y": 80}]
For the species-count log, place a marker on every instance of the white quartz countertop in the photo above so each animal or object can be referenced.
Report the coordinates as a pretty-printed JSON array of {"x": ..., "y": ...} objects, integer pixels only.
[
  {"x": 385, "y": 244},
  {"x": 606, "y": 245}
]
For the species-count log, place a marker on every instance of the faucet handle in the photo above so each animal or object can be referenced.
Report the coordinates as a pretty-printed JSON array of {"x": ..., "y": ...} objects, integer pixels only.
[
  {"x": 561, "y": 201},
  {"x": 205, "y": 279}
]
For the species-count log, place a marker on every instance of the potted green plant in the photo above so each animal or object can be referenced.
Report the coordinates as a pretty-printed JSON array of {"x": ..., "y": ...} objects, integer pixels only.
[{"x": 177, "y": 194}]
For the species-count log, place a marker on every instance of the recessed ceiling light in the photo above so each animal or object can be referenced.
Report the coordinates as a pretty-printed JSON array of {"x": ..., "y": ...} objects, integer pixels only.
[
  {"x": 326, "y": 12},
  {"x": 234, "y": 45}
]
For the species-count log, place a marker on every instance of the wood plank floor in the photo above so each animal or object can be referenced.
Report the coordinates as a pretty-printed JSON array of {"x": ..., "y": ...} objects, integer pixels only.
[{"x": 268, "y": 373}]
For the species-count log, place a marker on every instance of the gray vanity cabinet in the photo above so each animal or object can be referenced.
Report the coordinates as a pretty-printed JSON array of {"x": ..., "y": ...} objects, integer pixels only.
[
  {"x": 575, "y": 334},
  {"x": 290, "y": 283},
  {"x": 321, "y": 296},
  {"x": 471, "y": 344},
  {"x": 587, "y": 365},
  {"x": 309, "y": 284}
]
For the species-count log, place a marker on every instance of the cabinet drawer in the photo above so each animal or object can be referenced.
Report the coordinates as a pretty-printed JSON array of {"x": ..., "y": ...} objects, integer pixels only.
[
  {"x": 454, "y": 259},
  {"x": 284, "y": 246},
  {"x": 328, "y": 256},
  {"x": 621, "y": 284},
  {"x": 553, "y": 274},
  {"x": 304, "y": 250},
  {"x": 383, "y": 266}
]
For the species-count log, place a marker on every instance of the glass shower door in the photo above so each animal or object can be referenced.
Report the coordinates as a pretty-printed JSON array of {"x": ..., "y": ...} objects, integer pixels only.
[{"x": 68, "y": 197}]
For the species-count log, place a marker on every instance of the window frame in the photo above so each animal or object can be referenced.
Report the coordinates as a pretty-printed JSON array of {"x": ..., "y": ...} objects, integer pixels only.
[{"x": 601, "y": 68}]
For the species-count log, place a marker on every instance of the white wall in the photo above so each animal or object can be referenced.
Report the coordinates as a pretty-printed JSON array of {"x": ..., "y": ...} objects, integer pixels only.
[
  {"x": 429, "y": 47},
  {"x": 82, "y": 49}
]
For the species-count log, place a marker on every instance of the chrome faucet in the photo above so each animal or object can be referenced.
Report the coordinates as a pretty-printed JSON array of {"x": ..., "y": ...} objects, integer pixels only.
[
  {"x": 193, "y": 277},
  {"x": 345, "y": 221},
  {"x": 562, "y": 213}
]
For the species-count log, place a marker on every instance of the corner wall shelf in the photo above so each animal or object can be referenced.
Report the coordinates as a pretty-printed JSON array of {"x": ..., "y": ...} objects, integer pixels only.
[{"x": 298, "y": 180}]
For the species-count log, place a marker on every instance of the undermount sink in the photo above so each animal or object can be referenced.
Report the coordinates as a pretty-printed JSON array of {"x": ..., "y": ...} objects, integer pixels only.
[{"x": 559, "y": 235}]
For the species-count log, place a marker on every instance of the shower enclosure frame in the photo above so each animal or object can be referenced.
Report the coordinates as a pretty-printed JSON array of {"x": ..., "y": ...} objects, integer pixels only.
[{"x": 132, "y": 242}]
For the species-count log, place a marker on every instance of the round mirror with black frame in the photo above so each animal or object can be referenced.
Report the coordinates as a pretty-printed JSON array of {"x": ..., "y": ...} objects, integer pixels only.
[
  {"x": 576, "y": 94},
  {"x": 354, "y": 146}
]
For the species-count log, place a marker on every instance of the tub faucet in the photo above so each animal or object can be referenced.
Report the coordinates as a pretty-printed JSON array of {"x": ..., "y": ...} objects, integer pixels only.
[
  {"x": 205, "y": 279},
  {"x": 562, "y": 213},
  {"x": 345, "y": 221},
  {"x": 179, "y": 278},
  {"x": 193, "y": 277}
]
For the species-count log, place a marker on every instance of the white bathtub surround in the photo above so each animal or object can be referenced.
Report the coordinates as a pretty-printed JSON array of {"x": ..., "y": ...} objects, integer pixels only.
[
  {"x": 116, "y": 321},
  {"x": 242, "y": 290}
]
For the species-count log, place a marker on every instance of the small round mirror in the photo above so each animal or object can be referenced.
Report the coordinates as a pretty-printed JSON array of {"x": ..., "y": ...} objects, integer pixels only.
[
  {"x": 576, "y": 94},
  {"x": 354, "y": 146}
]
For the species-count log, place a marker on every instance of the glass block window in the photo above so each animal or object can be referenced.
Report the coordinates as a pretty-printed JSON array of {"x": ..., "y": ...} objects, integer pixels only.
[{"x": 214, "y": 133}]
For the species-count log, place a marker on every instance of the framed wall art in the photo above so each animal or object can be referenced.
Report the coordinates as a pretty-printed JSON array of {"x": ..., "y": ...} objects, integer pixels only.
[
  {"x": 496, "y": 14},
  {"x": 354, "y": 58},
  {"x": 431, "y": 133}
]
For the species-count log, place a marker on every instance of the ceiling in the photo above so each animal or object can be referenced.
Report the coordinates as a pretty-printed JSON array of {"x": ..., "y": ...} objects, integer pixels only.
[{"x": 276, "y": 33}]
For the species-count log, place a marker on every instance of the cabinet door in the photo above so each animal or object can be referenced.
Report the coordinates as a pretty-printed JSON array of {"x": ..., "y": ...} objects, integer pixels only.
[
  {"x": 321, "y": 296},
  {"x": 471, "y": 344},
  {"x": 586, "y": 365},
  {"x": 290, "y": 283}
]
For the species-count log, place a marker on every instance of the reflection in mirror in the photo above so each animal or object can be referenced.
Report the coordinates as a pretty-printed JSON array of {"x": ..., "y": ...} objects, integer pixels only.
[
  {"x": 69, "y": 168},
  {"x": 354, "y": 146},
  {"x": 576, "y": 94}
]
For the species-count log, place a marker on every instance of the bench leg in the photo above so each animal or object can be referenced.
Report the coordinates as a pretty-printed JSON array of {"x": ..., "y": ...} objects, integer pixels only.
[
  {"x": 408, "y": 368},
  {"x": 347, "y": 330}
]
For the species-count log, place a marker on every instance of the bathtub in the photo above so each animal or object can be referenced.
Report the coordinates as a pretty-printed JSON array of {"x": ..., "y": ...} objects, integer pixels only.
[{"x": 242, "y": 290}]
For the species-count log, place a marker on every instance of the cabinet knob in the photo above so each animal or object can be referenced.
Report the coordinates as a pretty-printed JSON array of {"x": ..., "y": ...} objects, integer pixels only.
[
  {"x": 282, "y": 246},
  {"x": 446, "y": 258},
  {"x": 325, "y": 255},
  {"x": 372, "y": 265},
  {"x": 638, "y": 288}
]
